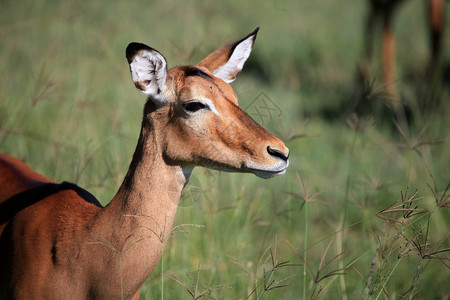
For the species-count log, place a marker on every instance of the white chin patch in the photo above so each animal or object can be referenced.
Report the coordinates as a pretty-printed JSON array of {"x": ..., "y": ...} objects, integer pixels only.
[
  {"x": 278, "y": 169},
  {"x": 267, "y": 174}
]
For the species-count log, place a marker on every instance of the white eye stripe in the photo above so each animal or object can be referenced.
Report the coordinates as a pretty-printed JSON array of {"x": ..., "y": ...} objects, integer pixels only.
[{"x": 210, "y": 104}]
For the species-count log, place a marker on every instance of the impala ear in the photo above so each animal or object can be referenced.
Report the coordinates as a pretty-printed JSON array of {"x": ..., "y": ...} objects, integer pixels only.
[
  {"x": 148, "y": 70},
  {"x": 227, "y": 62}
]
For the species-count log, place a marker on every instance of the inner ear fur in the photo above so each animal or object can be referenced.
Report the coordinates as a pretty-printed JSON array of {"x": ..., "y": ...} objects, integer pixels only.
[
  {"x": 148, "y": 69},
  {"x": 227, "y": 62}
]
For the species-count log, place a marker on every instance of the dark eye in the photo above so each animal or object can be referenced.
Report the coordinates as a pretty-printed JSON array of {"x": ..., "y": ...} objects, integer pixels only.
[{"x": 194, "y": 106}]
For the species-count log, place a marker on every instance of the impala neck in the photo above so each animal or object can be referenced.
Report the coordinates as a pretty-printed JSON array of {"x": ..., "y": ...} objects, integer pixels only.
[
  {"x": 152, "y": 187},
  {"x": 138, "y": 221}
]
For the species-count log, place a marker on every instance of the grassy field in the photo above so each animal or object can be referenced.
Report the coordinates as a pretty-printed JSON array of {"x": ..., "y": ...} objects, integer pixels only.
[{"x": 361, "y": 212}]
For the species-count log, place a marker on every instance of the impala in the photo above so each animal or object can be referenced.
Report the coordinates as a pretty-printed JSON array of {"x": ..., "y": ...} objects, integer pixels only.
[{"x": 58, "y": 242}]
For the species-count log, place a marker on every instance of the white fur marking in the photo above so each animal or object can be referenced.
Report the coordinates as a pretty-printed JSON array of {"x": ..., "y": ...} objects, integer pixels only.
[
  {"x": 149, "y": 70},
  {"x": 210, "y": 104},
  {"x": 236, "y": 61},
  {"x": 186, "y": 174}
]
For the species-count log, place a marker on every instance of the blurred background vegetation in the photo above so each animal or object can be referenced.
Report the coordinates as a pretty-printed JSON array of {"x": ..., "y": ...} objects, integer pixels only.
[{"x": 359, "y": 143}]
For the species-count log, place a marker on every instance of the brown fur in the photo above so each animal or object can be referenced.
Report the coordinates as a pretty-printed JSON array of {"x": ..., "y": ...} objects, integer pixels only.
[{"x": 63, "y": 247}]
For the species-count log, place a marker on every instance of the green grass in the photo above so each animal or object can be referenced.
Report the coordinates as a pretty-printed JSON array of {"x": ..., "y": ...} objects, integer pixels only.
[{"x": 69, "y": 109}]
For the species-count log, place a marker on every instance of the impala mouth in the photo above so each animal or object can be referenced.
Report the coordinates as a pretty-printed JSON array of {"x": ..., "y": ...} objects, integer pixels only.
[{"x": 278, "y": 169}]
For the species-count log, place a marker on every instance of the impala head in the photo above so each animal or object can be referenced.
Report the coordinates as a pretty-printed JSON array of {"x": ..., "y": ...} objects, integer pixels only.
[{"x": 196, "y": 115}]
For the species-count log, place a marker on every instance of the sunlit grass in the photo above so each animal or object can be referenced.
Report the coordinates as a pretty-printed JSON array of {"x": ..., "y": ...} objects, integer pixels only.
[{"x": 69, "y": 109}]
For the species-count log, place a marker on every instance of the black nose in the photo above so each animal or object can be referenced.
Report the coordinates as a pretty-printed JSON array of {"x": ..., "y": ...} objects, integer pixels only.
[{"x": 277, "y": 153}]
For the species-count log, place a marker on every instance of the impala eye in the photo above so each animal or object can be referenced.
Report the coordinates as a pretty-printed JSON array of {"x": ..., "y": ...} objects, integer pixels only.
[{"x": 194, "y": 106}]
